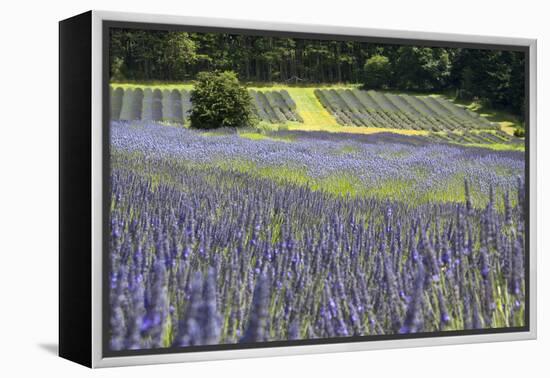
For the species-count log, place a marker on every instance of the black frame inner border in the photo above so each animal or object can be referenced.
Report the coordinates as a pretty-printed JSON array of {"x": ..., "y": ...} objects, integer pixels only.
[{"x": 106, "y": 166}]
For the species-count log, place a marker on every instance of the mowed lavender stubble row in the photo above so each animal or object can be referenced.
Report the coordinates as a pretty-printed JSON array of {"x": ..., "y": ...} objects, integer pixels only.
[{"x": 202, "y": 254}]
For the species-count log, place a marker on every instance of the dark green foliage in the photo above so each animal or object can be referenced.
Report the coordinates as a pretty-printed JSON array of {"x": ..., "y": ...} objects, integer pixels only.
[
  {"x": 496, "y": 78},
  {"x": 218, "y": 100},
  {"x": 520, "y": 133},
  {"x": 117, "y": 68},
  {"x": 377, "y": 72},
  {"x": 150, "y": 54},
  {"x": 421, "y": 68}
]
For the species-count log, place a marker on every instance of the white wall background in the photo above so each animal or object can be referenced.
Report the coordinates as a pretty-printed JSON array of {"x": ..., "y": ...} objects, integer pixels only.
[{"x": 29, "y": 190}]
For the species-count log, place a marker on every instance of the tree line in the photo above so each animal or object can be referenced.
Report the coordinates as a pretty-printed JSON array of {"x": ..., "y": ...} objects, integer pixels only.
[{"x": 494, "y": 77}]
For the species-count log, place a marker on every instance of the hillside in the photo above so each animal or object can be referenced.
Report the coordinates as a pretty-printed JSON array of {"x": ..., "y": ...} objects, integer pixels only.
[{"x": 329, "y": 108}]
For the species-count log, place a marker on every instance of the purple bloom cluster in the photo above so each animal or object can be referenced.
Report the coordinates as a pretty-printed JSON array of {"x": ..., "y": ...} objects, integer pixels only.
[
  {"x": 375, "y": 160},
  {"x": 201, "y": 255}
]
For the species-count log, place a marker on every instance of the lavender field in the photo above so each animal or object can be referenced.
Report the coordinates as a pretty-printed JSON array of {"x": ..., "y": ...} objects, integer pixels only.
[{"x": 223, "y": 238}]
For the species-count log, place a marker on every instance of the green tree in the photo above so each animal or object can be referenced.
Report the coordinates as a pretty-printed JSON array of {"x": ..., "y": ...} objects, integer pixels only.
[
  {"x": 377, "y": 72},
  {"x": 220, "y": 101},
  {"x": 495, "y": 78},
  {"x": 421, "y": 68},
  {"x": 179, "y": 51},
  {"x": 150, "y": 55}
]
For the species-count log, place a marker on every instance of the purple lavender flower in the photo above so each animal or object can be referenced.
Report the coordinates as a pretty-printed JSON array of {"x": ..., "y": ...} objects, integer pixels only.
[
  {"x": 256, "y": 329},
  {"x": 203, "y": 251},
  {"x": 412, "y": 320}
]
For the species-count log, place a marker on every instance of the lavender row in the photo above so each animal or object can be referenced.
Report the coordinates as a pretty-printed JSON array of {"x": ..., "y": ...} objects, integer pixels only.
[
  {"x": 379, "y": 109},
  {"x": 204, "y": 256},
  {"x": 375, "y": 161},
  {"x": 274, "y": 106},
  {"x": 135, "y": 104},
  {"x": 173, "y": 106}
]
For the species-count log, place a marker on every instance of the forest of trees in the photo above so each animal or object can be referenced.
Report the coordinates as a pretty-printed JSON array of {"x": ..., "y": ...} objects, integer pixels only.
[{"x": 496, "y": 78}]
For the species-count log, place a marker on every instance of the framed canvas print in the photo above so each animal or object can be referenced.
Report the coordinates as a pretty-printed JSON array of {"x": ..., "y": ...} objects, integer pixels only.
[{"x": 241, "y": 189}]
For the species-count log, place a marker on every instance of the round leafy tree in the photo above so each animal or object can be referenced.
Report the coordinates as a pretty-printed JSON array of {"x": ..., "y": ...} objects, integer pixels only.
[
  {"x": 218, "y": 100},
  {"x": 377, "y": 72}
]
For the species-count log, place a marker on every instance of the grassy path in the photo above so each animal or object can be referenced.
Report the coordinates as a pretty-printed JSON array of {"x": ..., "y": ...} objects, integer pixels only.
[{"x": 317, "y": 118}]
